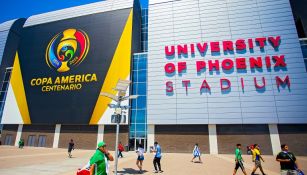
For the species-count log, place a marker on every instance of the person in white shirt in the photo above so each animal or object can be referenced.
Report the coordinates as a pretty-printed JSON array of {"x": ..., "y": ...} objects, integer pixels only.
[{"x": 140, "y": 158}]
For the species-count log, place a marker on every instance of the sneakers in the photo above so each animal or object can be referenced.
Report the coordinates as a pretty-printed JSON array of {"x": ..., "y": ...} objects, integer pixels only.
[{"x": 155, "y": 171}]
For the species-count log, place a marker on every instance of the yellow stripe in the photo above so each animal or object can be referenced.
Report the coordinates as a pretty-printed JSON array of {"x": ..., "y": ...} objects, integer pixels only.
[
  {"x": 19, "y": 91},
  {"x": 119, "y": 69}
]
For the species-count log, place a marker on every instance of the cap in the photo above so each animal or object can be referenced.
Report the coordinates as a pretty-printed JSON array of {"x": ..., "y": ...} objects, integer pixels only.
[{"x": 100, "y": 144}]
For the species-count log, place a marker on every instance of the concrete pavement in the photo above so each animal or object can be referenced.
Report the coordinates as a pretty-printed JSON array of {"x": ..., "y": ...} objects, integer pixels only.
[{"x": 47, "y": 161}]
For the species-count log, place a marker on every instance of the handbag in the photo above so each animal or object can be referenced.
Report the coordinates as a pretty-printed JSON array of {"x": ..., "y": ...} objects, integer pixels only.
[{"x": 300, "y": 172}]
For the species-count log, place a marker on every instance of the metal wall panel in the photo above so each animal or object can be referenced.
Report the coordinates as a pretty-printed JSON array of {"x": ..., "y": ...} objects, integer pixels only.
[
  {"x": 192, "y": 21},
  {"x": 4, "y": 31}
]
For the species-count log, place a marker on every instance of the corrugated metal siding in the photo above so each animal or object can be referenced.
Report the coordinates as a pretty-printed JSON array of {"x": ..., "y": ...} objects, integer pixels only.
[
  {"x": 192, "y": 21},
  {"x": 4, "y": 31},
  {"x": 6, "y": 25},
  {"x": 88, "y": 9}
]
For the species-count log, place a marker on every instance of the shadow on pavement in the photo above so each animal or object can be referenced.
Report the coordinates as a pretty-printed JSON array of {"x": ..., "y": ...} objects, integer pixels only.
[{"x": 131, "y": 171}]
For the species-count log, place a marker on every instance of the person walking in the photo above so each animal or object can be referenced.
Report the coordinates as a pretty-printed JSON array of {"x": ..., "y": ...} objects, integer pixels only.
[
  {"x": 139, "y": 161},
  {"x": 239, "y": 160},
  {"x": 71, "y": 146},
  {"x": 196, "y": 153},
  {"x": 120, "y": 150},
  {"x": 20, "y": 143},
  {"x": 288, "y": 162},
  {"x": 99, "y": 161},
  {"x": 256, "y": 158},
  {"x": 158, "y": 155}
]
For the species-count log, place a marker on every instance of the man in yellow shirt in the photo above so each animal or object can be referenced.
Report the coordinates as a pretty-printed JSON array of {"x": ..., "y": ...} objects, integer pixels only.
[{"x": 256, "y": 158}]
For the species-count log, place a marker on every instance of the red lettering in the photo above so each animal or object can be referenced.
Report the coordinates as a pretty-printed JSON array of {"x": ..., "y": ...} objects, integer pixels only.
[
  {"x": 261, "y": 42},
  {"x": 224, "y": 80},
  {"x": 170, "y": 68},
  {"x": 169, "y": 52},
  {"x": 182, "y": 49},
  {"x": 279, "y": 61},
  {"x": 205, "y": 85},
  {"x": 200, "y": 65},
  {"x": 227, "y": 64},
  {"x": 240, "y": 44},
  {"x": 242, "y": 83},
  {"x": 186, "y": 83},
  {"x": 241, "y": 63},
  {"x": 268, "y": 61},
  {"x": 259, "y": 86},
  {"x": 192, "y": 48},
  {"x": 215, "y": 47},
  {"x": 279, "y": 81},
  {"x": 169, "y": 86},
  {"x": 182, "y": 66},
  {"x": 227, "y": 46},
  {"x": 214, "y": 65},
  {"x": 255, "y": 62},
  {"x": 202, "y": 48},
  {"x": 275, "y": 41},
  {"x": 250, "y": 44}
]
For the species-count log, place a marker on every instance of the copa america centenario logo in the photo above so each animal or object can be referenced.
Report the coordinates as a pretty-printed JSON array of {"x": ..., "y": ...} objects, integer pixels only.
[{"x": 67, "y": 49}]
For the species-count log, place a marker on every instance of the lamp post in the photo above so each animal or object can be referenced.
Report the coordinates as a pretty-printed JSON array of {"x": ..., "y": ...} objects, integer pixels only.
[{"x": 121, "y": 88}]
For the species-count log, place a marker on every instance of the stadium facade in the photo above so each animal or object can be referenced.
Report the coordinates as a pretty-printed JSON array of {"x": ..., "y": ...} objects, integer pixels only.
[{"x": 215, "y": 73}]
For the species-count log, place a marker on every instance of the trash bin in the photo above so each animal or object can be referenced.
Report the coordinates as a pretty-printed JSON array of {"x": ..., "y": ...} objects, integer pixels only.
[{"x": 126, "y": 148}]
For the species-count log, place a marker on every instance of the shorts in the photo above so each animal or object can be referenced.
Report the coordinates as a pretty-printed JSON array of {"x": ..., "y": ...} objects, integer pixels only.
[
  {"x": 258, "y": 163},
  {"x": 288, "y": 172},
  {"x": 239, "y": 164},
  {"x": 140, "y": 158}
]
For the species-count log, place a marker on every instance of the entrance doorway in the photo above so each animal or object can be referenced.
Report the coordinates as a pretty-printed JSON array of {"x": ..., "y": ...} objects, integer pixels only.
[
  {"x": 31, "y": 140},
  {"x": 41, "y": 141},
  {"x": 8, "y": 140},
  {"x": 137, "y": 141}
]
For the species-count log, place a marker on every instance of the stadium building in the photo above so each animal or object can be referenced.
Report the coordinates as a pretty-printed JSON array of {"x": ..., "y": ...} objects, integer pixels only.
[{"x": 216, "y": 73}]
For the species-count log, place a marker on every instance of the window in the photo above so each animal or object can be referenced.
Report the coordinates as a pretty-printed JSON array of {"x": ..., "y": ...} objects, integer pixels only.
[
  {"x": 8, "y": 140},
  {"x": 142, "y": 76},
  {"x": 138, "y": 122},
  {"x": 140, "y": 116},
  {"x": 31, "y": 140},
  {"x": 141, "y": 89},
  {"x": 41, "y": 141},
  {"x": 141, "y": 102}
]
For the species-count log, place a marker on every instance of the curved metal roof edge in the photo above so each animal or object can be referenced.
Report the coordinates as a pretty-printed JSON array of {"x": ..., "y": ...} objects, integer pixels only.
[
  {"x": 7, "y": 25},
  {"x": 81, "y": 10}
]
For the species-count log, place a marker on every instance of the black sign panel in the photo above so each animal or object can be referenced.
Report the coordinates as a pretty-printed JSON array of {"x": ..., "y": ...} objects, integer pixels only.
[{"x": 64, "y": 64}]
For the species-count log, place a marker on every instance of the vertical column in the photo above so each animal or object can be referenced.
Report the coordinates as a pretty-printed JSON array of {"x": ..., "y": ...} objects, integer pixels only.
[
  {"x": 56, "y": 137},
  {"x": 18, "y": 135},
  {"x": 275, "y": 141},
  {"x": 150, "y": 136},
  {"x": 100, "y": 133},
  {"x": 213, "y": 139}
]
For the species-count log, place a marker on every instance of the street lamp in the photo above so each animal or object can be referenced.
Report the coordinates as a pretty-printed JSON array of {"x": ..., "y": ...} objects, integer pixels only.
[{"x": 121, "y": 87}]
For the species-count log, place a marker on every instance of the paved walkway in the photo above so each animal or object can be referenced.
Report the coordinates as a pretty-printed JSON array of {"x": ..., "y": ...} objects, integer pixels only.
[{"x": 46, "y": 161}]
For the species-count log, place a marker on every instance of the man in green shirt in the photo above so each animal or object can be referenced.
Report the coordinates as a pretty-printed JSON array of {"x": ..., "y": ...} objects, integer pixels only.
[
  {"x": 239, "y": 160},
  {"x": 99, "y": 161}
]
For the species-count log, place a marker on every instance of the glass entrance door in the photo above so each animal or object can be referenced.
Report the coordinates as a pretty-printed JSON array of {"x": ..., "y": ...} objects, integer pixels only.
[
  {"x": 31, "y": 140},
  {"x": 8, "y": 140},
  {"x": 41, "y": 141},
  {"x": 142, "y": 141}
]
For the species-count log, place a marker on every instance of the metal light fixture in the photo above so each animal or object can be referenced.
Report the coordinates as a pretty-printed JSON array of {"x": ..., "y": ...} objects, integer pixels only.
[{"x": 121, "y": 88}]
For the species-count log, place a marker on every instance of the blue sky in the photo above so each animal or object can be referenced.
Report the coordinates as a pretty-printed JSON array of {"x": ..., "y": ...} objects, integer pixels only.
[{"x": 12, "y": 9}]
